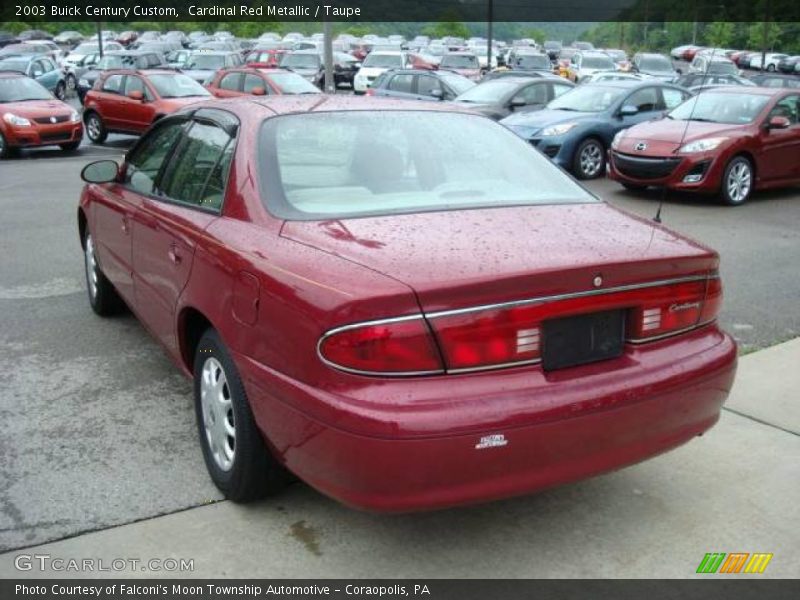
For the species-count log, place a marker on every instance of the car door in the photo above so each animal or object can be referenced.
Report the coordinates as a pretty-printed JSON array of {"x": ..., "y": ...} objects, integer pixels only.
[
  {"x": 136, "y": 115},
  {"x": 187, "y": 198},
  {"x": 648, "y": 102},
  {"x": 780, "y": 148},
  {"x": 51, "y": 75},
  {"x": 110, "y": 105},
  {"x": 114, "y": 205},
  {"x": 430, "y": 88},
  {"x": 401, "y": 85},
  {"x": 230, "y": 85}
]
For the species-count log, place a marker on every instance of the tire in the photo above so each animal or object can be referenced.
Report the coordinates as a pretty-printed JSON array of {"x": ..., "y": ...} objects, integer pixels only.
[
  {"x": 589, "y": 161},
  {"x": 5, "y": 149},
  {"x": 95, "y": 128},
  {"x": 72, "y": 83},
  {"x": 61, "y": 90},
  {"x": 71, "y": 146},
  {"x": 236, "y": 456},
  {"x": 103, "y": 298},
  {"x": 737, "y": 181},
  {"x": 771, "y": 68}
]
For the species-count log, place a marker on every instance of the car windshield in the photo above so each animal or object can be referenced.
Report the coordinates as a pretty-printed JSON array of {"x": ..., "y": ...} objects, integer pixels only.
[
  {"x": 715, "y": 107},
  {"x": 115, "y": 62},
  {"x": 532, "y": 61},
  {"x": 301, "y": 61},
  {"x": 292, "y": 83},
  {"x": 11, "y": 64},
  {"x": 489, "y": 92},
  {"x": 588, "y": 99},
  {"x": 349, "y": 164},
  {"x": 597, "y": 62},
  {"x": 383, "y": 61},
  {"x": 84, "y": 49},
  {"x": 459, "y": 61},
  {"x": 655, "y": 63},
  {"x": 20, "y": 89},
  {"x": 458, "y": 83},
  {"x": 205, "y": 62},
  {"x": 177, "y": 85}
]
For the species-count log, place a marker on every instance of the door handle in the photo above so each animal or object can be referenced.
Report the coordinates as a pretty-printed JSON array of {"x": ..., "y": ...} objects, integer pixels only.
[{"x": 174, "y": 254}]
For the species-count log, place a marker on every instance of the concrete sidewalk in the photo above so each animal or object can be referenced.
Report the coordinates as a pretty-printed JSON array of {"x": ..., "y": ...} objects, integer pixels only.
[{"x": 736, "y": 489}]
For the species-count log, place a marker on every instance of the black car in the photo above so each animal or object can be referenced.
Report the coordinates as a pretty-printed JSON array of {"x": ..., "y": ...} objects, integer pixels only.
[
  {"x": 552, "y": 48},
  {"x": 774, "y": 80},
  {"x": 788, "y": 64},
  {"x": 498, "y": 98},
  {"x": 420, "y": 84},
  {"x": 123, "y": 59},
  {"x": 7, "y": 38},
  {"x": 345, "y": 67}
]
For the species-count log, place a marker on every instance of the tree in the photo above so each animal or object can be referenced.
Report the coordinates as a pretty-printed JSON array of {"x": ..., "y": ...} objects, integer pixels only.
[
  {"x": 720, "y": 34},
  {"x": 756, "y": 35},
  {"x": 447, "y": 29}
]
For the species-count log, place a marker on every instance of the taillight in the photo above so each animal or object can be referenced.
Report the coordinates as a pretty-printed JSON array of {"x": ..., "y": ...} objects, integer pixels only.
[
  {"x": 668, "y": 309},
  {"x": 400, "y": 346},
  {"x": 369, "y": 92}
]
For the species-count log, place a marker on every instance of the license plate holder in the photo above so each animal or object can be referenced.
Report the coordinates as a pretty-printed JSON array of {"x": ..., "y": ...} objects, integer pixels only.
[{"x": 582, "y": 339}]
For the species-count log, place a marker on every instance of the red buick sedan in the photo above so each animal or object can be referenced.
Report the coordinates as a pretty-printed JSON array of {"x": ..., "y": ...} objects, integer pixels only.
[
  {"x": 726, "y": 141},
  {"x": 403, "y": 320}
]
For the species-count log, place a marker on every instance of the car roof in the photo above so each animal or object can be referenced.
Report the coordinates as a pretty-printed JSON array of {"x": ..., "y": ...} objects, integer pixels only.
[
  {"x": 753, "y": 90},
  {"x": 143, "y": 73},
  {"x": 11, "y": 74},
  {"x": 214, "y": 52}
]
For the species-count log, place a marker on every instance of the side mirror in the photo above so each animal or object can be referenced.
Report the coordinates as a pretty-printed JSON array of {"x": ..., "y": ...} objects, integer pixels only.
[
  {"x": 258, "y": 91},
  {"x": 628, "y": 110},
  {"x": 778, "y": 123},
  {"x": 101, "y": 171},
  {"x": 517, "y": 102},
  {"x": 37, "y": 74},
  {"x": 679, "y": 71},
  {"x": 136, "y": 95},
  {"x": 438, "y": 94}
]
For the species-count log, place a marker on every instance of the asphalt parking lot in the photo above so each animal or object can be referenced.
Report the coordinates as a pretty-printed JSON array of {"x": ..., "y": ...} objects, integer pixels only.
[{"x": 97, "y": 427}]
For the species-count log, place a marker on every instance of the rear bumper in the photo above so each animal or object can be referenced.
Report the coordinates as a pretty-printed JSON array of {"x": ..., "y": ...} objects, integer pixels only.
[
  {"x": 557, "y": 427},
  {"x": 44, "y": 135},
  {"x": 676, "y": 173}
]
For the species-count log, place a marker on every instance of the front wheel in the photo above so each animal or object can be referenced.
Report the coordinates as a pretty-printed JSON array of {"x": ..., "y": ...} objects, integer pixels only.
[
  {"x": 70, "y": 147},
  {"x": 5, "y": 149},
  {"x": 737, "y": 181},
  {"x": 771, "y": 68},
  {"x": 590, "y": 159},
  {"x": 103, "y": 298},
  {"x": 236, "y": 457},
  {"x": 95, "y": 128}
]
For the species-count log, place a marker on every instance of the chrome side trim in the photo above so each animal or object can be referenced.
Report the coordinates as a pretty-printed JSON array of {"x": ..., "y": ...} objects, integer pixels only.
[
  {"x": 557, "y": 297},
  {"x": 521, "y": 363},
  {"x": 639, "y": 341},
  {"x": 339, "y": 367}
]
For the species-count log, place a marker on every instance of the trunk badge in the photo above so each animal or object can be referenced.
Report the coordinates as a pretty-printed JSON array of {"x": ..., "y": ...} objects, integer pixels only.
[
  {"x": 597, "y": 281},
  {"x": 496, "y": 440},
  {"x": 641, "y": 146}
]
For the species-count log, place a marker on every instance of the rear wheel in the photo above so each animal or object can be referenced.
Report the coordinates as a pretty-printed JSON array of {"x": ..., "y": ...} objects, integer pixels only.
[
  {"x": 737, "y": 181},
  {"x": 5, "y": 149},
  {"x": 590, "y": 159},
  {"x": 103, "y": 298},
  {"x": 95, "y": 128},
  {"x": 237, "y": 458},
  {"x": 771, "y": 68},
  {"x": 61, "y": 90}
]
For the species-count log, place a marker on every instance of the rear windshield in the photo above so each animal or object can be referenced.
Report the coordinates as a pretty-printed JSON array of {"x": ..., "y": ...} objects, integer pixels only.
[
  {"x": 597, "y": 62},
  {"x": 384, "y": 61},
  {"x": 349, "y": 164},
  {"x": 459, "y": 61},
  {"x": 205, "y": 62},
  {"x": 655, "y": 63},
  {"x": 308, "y": 61},
  {"x": 530, "y": 61}
]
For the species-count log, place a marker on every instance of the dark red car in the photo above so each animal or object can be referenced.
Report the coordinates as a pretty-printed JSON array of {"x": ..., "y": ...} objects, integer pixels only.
[
  {"x": 726, "y": 141},
  {"x": 129, "y": 101},
  {"x": 404, "y": 321},
  {"x": 244, "y": 81},
  {"x": 269, "y": 58},
  {"x": 30, "y": 116}
]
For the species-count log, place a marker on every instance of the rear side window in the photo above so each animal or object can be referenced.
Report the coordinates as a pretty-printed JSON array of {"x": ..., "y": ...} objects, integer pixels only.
[
  {"x": 672, "y": 98},
  {"x": 402, "y": 83},
  {"x": 253, "y": 81},
  {"x": 427, "y": 85},
  {"x": 199, "y": 172},
  {"x": 146, "y": 161},
  {"x": 645, "y": 99}
]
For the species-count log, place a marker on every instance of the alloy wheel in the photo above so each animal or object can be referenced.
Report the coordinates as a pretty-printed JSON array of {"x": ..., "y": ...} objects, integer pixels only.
[
  {"x": 218, "y": 419},
  {"x": 93, "y": 127},
  {"x": 591, "y": 159},
  {"x": 91, "y": 267},
  {"x": 739, "y": 182}
]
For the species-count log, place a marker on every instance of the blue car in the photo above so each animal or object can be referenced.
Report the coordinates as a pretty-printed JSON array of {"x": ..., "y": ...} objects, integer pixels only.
[
  {"x": 575, "y": 129},
  {"x": 40, "y": 68}
]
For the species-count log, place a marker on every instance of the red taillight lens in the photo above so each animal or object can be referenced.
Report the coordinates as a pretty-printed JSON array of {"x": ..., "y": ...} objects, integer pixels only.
[
  {"x": 489, "y": 338},
  {"x": 671, "y": 308},
  {"x": 392, "y": 347},
  {"x": 369, "y": 92}
]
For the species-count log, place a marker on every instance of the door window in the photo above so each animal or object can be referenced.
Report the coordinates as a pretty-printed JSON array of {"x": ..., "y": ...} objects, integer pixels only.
[
  {"x": 645, "y": 99},
  {"x": 231, "y": 82},
  {"x": 559, "y": 89},
  {"x": 200, "y": 170},
  {"x": 402, "y": 83},
  {"x": 672, "y": 98},
  {"x": 146, "y": 160},
  {"x": 533, "y": 94},
  {"x": 253, "y": 81},
  {"x": 789, "y": 107},
  {"x": 426, "y": 85},
  {"x": 113, "y": 84},
  {"x": 136, "y": 84}
]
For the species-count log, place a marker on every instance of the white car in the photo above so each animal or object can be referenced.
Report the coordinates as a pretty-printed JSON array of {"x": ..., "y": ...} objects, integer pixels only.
[
  {"x": 708, "y": 63},
  {"x": 771, "y": 61},
  {"x": 612, "y": 76},
  {"x": 375, "y": 64},
  {"x": 588, "y": 63}
]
